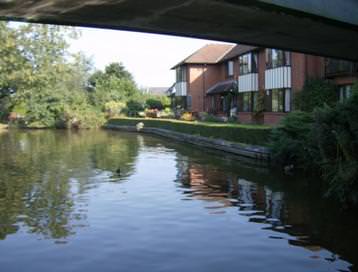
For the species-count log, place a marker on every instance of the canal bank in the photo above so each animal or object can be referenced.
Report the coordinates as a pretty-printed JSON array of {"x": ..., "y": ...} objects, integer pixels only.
[{"x": 256, "y": 152}]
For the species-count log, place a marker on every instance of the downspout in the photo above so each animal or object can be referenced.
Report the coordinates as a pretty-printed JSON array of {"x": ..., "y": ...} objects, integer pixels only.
[{"x": 204, "y": 87}]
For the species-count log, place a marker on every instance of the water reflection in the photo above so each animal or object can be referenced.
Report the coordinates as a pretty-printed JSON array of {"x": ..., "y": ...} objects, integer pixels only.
[
  {"x": 295, "y": 215},
  {"x": 45, "y": 175},
  {"x": 171, "y": 206}
]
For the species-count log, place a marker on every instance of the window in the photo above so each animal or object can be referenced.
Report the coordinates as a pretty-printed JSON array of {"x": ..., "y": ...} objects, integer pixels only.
[
  {"x": 344, "y": 92},
  {"x": 244, "y": 64},
  {"x": 181, "y": 74},
  {"x": 213, "y": 102},
  {"x": 247, "y": 102},
  {"x": 222, "y": 104},
  {"x": 287, "y": 56},
  {"x": 230, "y": 68},
  {"x": 277, "y": 58},
  {"x": 280, "y": 100},
  {"x": 287, "y": 100},
  {"x": 248, "y": 63},
  {"x": 188, "y": 102},
  {"x": 336, "y": 66},
  {"x": 255, "y": 96}
]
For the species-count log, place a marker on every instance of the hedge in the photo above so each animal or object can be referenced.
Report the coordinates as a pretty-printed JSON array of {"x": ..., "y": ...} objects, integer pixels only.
[{"x": 248, "y": 134}]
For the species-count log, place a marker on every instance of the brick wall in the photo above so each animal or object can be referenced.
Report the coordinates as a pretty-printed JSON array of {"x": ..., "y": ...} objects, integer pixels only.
[
  {"x": 201, "y": 78},
  {"x": 245, "y": 117},
  {"x": 273, "y": 118}
]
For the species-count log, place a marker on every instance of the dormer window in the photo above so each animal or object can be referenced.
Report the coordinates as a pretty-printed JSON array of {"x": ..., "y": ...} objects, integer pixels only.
[
  {"x": 248, "y": 63},
  {"x": 277, "y": 58},
  {"x": 230, "y": 68}
]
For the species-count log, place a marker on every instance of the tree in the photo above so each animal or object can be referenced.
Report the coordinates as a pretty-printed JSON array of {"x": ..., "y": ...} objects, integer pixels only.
[
  {"x": 39, "y": 77},
  {"x": 316, "y": 93},
  {"x": 14, "y": 67},
  {"x": 48, "y": 86},
  {"x": 115, "y": 84},
  {"x": 118, "y": 70}
]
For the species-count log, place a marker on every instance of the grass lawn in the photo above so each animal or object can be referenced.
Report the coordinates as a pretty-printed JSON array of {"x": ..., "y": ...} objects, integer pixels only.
[{"x": 248, "y": 134}]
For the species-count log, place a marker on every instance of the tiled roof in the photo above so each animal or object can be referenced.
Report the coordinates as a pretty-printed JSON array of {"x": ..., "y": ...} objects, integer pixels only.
[
  {"x": 238, "y": 50},
  {"x": 215, "y": 53},
  {"x": 209, "y": 54}
]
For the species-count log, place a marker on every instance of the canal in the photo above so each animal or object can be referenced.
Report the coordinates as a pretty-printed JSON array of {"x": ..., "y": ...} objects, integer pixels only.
[{"x": 113, "y": 201}]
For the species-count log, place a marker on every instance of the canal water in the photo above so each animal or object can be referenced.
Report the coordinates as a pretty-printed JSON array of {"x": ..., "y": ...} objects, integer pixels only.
[{"x": 111, "y": 201}]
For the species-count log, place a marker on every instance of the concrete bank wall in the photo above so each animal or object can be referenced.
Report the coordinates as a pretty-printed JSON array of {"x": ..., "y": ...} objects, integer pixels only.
[{"x": 250, "y": 151}]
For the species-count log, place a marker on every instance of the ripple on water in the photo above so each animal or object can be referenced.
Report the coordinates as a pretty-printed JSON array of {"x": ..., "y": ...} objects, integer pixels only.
[{"x": 171, "y": 208}]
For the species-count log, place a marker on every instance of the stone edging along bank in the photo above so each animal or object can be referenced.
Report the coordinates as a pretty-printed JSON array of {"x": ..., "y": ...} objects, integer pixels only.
[{"x": 249, "y": 151}]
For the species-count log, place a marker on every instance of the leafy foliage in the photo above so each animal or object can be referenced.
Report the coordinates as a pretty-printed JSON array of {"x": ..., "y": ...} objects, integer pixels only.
[
  {"x": 153, "y": 103},
  {"x": 336, "y": 131},
  {"x": 134, "y": 107},
  {"x": 316, "y": 93},
  {"x": 292, "y": 140},
  {"x": 325, "y": 141},
  {"x": 247, "y": 134},
  {"x": 49, "y": 87},
  {"x": 114, "y": 84},
  {"x": 114, "y": 108}
]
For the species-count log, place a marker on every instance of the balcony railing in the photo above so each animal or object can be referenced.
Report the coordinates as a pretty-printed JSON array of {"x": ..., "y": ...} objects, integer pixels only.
[
  {"x": 278, "y": 78},
  {"x": 249, "y": 82},
  {"x": 340, "y": 67},
  {"x": 180, "y": 88}
]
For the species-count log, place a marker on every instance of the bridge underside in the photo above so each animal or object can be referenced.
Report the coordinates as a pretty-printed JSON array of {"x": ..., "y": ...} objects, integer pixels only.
[{"x": 323, "y": 27}]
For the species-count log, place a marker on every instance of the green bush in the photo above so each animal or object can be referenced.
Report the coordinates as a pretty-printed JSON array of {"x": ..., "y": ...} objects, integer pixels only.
[
  {"x": 133, "y": 108},
  {"x": 292, "y": 142},
  {"x": 316, "y": 93},
  {"x": 324, "y": 142},
  {"x": 81, "y": 118},
  {"x": 248, "y": 134},
  {"x": 152, "y": 104},
  {"x": 336, "y": 132},
  {"x": 167, "y": 113},
  {"x": 113, "y": 108}
]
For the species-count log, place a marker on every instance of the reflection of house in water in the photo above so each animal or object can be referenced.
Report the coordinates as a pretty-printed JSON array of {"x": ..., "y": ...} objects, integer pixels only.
[
  {"x": 284, "y": 215},
  {"x": 275, "y": 203},
  {"x": 182, "y": 167},
  {"x": 246, "y": 191},
  {"x": 209, "y": 183},
  {"x": 262, "y": 199},
  {"x": 206, "y": 182}
]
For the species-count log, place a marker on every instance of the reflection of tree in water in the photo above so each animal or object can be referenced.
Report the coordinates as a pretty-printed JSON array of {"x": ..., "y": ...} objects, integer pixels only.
[{"x": 44, "y": 173}]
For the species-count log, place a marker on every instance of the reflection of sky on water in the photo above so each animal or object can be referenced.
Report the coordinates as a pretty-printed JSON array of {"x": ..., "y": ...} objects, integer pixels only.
[{"x": 171, "y": 206}]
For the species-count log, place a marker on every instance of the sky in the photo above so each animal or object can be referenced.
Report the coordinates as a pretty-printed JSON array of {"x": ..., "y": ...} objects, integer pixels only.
[{"x": 148, "y": 57}]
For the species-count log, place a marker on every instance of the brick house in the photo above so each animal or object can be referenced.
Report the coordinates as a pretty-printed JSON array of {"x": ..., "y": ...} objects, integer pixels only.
[
  {"x": 197, "y": 73},
  {"x": 238, "y": 80}
]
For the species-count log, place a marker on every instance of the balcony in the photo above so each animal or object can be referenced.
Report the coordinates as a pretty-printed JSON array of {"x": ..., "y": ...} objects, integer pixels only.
[
  {"x": 249, "y": 82},
  {"x": 180, "y": 88},
  {"x": 278, "y": 78},
  {"x": 336, "y": 67}
]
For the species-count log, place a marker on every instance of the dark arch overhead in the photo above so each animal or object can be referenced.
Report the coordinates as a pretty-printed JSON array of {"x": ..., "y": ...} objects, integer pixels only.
[{"x": 323, "y": 27}]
